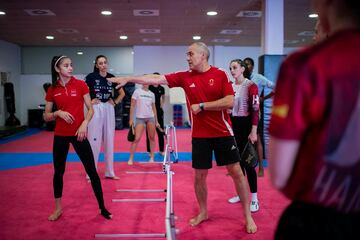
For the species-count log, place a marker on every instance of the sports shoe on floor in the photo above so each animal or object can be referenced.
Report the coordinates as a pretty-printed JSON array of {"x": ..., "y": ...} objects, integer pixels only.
[
  {"x": 254, "y": 206},
  {"x": 235, "y": 199}
]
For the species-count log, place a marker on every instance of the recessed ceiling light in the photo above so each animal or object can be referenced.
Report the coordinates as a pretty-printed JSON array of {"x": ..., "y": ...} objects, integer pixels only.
[
  {"x": 313, "y": 15},
  {"x": 2, "y": 13},
  {"x": 49, "y": 37},
  {"x": 80, "y": 53},
  {"x": 211, "y": 13},
  {"x": 106, "y": 13},
  {"x": 123, "y": 37},
  {"x": 196, "y": 37}
]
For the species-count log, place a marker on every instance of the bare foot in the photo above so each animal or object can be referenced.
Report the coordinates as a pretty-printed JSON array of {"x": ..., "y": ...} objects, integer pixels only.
[
  {"x": 55, "y": 215},
  {"x": 113, "y": 177},
  {"x": 250, "y": 225},
  {"x": 198, "y": 219},
  {"x": 130, "y": 162},
  {"x": 261, "y": 172}
]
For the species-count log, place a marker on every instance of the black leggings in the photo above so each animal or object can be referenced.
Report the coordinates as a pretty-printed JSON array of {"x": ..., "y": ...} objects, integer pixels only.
[
  {"x": 242, "y": 128},
  {"x": 83, "y": 149}
]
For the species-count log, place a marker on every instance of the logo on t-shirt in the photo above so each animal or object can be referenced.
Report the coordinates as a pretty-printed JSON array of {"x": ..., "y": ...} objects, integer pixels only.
[
  {"x": 211, "y": 82},
  {"x": 73, "y": 93},
  {"x": 192, "y": 85},
  {"x": 280, "y": 111}
]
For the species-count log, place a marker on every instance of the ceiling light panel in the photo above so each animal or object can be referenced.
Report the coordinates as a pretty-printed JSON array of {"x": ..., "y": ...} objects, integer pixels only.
[
  {"x": 221, "y": 40},
  {"x": 146, "y": 12},
  {"x": 151, "y": 40},
  {"x": 306, "y": 33},
  {"x": 231, "y": 31},
  {"x": 149, "y": 30},
  {"x": 39, "y": 12},
  {"x": 255, "y": 14},
  {"x": 67, "y": 30}
]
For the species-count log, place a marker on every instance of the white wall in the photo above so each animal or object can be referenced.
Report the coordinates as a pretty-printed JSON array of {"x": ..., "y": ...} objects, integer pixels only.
[
  {"x": 223, "y": 55},
  {"x": 36, "y": 60},
  {"x": 10, "y": 58}
]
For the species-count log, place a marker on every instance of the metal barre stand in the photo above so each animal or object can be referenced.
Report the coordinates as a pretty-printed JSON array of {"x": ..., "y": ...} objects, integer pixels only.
[{"x": 170, "y": 234}]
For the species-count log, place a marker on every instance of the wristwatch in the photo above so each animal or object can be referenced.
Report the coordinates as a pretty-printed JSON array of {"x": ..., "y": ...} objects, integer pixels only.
[{"x": 201, "y": 105}]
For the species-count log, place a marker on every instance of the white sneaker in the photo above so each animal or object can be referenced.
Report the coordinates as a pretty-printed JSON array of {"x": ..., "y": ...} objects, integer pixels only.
[
  {"x": 254, "y": 206},
  {"x": 235, "y": 199}
]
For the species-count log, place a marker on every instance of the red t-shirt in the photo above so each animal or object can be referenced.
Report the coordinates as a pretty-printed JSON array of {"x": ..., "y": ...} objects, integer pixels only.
[
  {"x": 69, "y": 99},
  {"x": 208, "y": 86},
  {"x": 317, "y": 102}
]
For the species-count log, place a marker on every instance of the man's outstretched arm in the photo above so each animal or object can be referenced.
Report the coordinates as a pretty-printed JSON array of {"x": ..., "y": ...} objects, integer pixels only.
[{"x": 148, "y": 79}]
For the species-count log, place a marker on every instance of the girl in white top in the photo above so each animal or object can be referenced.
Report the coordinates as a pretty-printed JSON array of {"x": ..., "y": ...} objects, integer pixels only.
[{"x": 143, "y": 105}]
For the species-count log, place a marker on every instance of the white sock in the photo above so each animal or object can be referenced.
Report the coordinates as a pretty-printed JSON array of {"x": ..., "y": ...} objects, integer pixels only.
[{"x": 254, "y": 197}]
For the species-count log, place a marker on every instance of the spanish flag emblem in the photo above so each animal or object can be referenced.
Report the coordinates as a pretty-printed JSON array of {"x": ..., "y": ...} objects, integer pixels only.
[{"x": 280, "y": 111}]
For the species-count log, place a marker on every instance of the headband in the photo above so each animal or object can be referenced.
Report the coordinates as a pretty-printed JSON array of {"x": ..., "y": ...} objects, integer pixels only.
[{"x": 57, "y": 61}]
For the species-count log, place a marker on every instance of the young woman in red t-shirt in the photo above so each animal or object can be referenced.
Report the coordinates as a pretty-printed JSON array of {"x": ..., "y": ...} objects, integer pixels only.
[{"x": 69, "y": 94}]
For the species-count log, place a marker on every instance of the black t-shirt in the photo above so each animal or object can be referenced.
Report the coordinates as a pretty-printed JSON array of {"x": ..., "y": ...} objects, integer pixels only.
[
  {"x": 158, "y": 91},
  {"x": 100, "y": 87}
]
